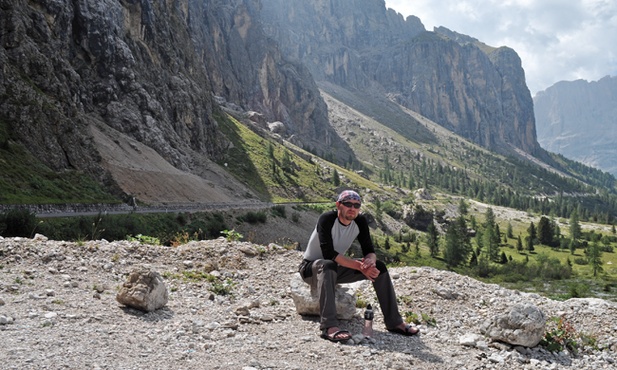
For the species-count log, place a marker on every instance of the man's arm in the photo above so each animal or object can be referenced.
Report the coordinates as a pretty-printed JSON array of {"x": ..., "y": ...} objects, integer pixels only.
[
  {"x": 351, "y": 263},
  {"x": 324, "y": 232},
  {"x": 365, "y": 266},
  {"x": 364, "y": 236}
]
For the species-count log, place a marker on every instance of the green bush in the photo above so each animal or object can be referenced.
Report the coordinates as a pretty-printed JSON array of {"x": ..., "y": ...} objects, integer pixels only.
[
  {"x": 17, "y": 222},
  {"x": 279, "y": 211},
  {"x": 164, "y": 227},
  {"x": 578, "y": 290},
  {"x": 254, "y": 217}
]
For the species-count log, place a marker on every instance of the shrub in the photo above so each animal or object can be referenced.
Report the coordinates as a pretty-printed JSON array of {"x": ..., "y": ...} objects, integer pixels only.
[
  {"x": 578, "y": 290},
  {"x": 231, "y": 235},
  {"x": 411, "y": 317},
  {"x": 222, "y": 287},
  {"x": 607, "y": 248},
  {"x": 254, "y": 217},
  {"x": 17, "y": 222},
  {"x": 581, "y": 261},
  {"x": 561, "y": 335},
  {"x": 144, "y": 239},
  {"x": 279, "y": 211},
  {"x": 430, "y": 321}
]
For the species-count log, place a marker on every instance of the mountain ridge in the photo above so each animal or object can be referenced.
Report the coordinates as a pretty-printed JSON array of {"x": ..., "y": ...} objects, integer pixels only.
[
  {"x": 169, "y": 75},
  {"x": 577, "y": 120}
]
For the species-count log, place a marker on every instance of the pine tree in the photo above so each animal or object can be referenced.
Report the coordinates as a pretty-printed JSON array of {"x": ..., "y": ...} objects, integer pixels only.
[
  {"x": 432, "y": 240},
  {"x": 529, "y": 246},
  {"x": 509, "y": 231},
  {"x": 575, "y": 226},
  {"x": 504, "y": 259},
  {"x": 594, "y": 255},
  {"x": 519, "y": 244},
  {"x": 491, "y": 237},
  {"x": 473, "y": 261},
  {"x": 336, "y": 180},
  {"x": 405, "y": 247},
  {"x": 457, "y": 244},
  {"x": 462, "y": 207},
  {"x": 531, "y": 230},
  {"x": 545, "y": 232}
]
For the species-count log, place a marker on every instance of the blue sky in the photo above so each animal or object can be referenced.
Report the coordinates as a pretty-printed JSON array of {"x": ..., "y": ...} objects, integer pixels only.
[{"x": 557, "y": 40}]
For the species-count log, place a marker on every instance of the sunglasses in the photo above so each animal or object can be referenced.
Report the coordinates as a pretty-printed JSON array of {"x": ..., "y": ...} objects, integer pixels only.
[{"x": 351, "y": 205}]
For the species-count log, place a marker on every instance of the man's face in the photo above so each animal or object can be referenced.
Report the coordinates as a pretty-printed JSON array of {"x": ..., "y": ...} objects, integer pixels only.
[{"x": 348, "y": 210}]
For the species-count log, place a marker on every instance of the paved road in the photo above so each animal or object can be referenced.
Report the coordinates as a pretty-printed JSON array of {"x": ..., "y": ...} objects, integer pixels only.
[{"x": 75, "y": 210}]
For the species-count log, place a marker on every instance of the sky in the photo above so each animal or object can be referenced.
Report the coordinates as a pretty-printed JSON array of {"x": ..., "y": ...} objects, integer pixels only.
[{"x": 557, "y": 40}]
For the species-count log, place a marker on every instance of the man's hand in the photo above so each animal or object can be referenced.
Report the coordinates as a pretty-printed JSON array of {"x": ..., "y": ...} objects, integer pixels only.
[
  {"x": 368, "y": 266},
  {"x": 369, "y": 260}
]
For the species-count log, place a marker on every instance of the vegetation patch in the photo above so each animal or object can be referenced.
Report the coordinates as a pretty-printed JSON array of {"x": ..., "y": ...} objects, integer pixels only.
[{"x": 26, "y": 180}]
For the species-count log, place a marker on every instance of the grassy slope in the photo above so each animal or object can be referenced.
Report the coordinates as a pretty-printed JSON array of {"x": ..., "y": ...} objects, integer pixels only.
[
  {"x": 276, "y": 171},
  {"x": 25, "y": 180}
]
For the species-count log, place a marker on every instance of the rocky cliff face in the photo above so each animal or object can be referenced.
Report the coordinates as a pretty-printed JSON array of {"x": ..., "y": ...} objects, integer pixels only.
[
  {"x": 128, "y": 90},
  {"x": 577, "y": 119},
  {"x": 477, "y": 91},
  {"x": 75, "y": 73}
]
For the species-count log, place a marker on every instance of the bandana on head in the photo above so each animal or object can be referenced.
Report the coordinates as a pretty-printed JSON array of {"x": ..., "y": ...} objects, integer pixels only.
[{"x": 348, "y": 195}]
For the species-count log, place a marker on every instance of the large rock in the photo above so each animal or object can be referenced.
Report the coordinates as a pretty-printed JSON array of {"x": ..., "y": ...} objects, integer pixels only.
[
  {"x": 524, "y": 325},
  {"x": 307, "y": 300},
  {"x": 144, "y": 290}
]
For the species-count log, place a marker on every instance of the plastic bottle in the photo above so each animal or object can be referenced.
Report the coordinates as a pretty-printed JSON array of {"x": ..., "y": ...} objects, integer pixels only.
[{"x": 367, "y": 330}]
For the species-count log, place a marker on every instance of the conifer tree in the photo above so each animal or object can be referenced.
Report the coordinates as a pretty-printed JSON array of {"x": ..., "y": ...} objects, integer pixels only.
[
  {"x": 457, "y": 244},
  {"x": 462, "y": 207},
  {"x": 336, "y": 180},
  {"x": 509, "y": 231},
  {"x": 503, "y": 259},
  {"x": 519, "y": 244},
  {"x": 432, "y": 240},
  {"x": 575, "y": 226},
  {"x": 531, "y": 230},
  {"x": 545, "y": 232},
  {"x": 529, "y": 247},
  {"x": 594, "y": 255}
]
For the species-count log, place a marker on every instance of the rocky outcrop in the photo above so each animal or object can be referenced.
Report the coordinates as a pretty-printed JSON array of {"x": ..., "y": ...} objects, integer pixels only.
[
  {"x": 144, "y": 72},
  {"x": 470, "y": 88},
  {"x": 576, "y": 119}
]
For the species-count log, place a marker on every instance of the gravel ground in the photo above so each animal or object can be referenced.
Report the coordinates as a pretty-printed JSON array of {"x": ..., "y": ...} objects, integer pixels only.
[{"x": 58, "y": 311}]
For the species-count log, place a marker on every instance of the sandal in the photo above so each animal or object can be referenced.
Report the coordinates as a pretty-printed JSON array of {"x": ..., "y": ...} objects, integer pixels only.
[
  {"x": 337, "y": 336},
  {"x": 408, "y": 331}
]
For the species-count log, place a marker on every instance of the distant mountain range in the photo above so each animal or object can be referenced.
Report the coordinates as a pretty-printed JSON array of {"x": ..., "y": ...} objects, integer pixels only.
[{"x": 578, "y": 119}]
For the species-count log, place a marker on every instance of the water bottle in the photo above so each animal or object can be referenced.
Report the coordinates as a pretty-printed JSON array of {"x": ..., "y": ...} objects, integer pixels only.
[{"x": 367, "y": 330}]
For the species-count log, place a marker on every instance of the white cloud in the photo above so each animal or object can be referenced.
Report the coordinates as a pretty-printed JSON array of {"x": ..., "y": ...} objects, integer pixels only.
[{"x": 557, "y": 40}]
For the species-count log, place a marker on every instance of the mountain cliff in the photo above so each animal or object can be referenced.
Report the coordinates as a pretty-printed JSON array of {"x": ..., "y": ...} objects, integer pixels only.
[
  {"x": 132, "y": 92},
  {"x": 476, "y": 91},
  {"x": 577, "y": 119},
  {"x": 94, "y": 85}
]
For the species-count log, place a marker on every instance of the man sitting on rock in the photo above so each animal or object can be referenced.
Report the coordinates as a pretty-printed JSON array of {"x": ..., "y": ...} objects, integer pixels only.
[{"x": 326, "y": 265}]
